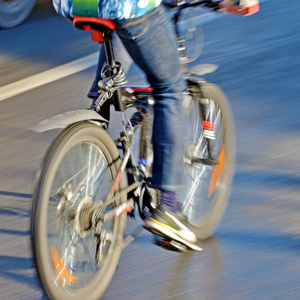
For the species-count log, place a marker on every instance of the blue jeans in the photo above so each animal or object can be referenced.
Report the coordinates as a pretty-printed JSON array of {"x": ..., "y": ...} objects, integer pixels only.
[{"x": 151, "y": 42}]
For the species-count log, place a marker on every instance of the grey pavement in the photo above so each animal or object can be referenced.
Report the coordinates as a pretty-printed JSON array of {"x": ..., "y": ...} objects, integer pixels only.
[{"x": 255, "y": 251}]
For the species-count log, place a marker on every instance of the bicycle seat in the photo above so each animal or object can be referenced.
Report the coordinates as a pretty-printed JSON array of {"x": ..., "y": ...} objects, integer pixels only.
[{"x": 96, "y": 25}]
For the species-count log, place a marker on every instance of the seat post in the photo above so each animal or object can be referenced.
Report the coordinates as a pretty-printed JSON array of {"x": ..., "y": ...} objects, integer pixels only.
[
  {"x": 107, "y": 40},
  {"x": 101, "y": 32},
  {"x": 111, "y": 63}
]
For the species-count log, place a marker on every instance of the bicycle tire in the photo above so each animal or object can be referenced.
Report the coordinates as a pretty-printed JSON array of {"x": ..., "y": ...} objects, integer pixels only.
[
  {"x": 78, "y": 168},
  {"x": 207, "y": 187}
]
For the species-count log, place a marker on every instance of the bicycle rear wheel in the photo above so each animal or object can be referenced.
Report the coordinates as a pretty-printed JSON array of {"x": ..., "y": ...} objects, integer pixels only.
[
  {"x": 207, "y": 184},
  {"x": 76, "y": 175}
]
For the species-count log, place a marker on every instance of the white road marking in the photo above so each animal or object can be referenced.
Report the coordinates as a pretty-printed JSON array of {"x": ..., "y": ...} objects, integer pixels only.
[
  {"x": 42, "y": 78},
  {"x": 6, "y": 116}
]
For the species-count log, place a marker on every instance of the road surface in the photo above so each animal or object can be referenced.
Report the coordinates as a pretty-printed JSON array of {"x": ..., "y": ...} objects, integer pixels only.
[{"x": 255, "y": 251}]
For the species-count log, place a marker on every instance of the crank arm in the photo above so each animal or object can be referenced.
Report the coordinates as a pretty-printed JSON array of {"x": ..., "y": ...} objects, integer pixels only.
[
  {"x": 102, "y": 236},
  {"x": 119, "y": 210}
]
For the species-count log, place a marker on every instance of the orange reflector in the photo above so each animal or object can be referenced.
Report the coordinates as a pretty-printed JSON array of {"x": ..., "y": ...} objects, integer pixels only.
[
  {"x": 61, "y": 271},
  {"x": 217, "y": 172}
]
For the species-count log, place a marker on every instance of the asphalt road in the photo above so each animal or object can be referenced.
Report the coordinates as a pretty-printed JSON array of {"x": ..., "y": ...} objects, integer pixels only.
[{"x": 255, "y": 251}]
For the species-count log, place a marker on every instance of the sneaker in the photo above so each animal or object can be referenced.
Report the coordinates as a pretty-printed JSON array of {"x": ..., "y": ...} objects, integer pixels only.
[{"x": 173, "y": 226}]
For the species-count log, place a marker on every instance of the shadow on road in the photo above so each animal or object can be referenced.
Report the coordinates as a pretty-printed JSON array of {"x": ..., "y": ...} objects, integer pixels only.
[{"x": 20, "y": 270}]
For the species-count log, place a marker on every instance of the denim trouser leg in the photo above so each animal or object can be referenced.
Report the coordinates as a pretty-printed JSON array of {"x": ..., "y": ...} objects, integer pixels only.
[{"x": 151, "y": 42}]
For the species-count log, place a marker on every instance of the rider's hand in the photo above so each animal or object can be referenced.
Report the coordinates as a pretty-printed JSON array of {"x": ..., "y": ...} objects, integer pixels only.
[{"x": 250, "y": 8}]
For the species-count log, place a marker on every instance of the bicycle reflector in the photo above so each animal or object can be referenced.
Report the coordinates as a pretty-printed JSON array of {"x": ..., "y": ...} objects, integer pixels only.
[
  {"x": 217, "y": 172},
  {"x": 64, "y": 276},
  {"x": 97, "y": 36}
]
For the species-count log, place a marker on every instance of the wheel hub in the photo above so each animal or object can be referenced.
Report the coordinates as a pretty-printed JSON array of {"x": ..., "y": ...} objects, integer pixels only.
[{"x": 83, "y": 217}]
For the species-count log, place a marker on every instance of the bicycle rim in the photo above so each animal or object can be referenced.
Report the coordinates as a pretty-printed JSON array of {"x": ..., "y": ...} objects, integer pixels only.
[
  {"x": 207, "y": 186},
  {"x": 76, "y": 175}
]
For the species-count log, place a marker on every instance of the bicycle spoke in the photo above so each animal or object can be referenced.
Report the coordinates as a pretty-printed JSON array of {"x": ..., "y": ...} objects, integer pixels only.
[{"x": 63, "y": 275}]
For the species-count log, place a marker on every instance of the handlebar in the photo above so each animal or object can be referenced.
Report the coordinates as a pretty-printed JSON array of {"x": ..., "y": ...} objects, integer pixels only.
[{"x": 182, "y": 4}]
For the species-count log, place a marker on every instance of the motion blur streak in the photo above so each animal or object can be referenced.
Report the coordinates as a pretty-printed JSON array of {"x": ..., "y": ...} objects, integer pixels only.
[{"x": 37, "y": 80}]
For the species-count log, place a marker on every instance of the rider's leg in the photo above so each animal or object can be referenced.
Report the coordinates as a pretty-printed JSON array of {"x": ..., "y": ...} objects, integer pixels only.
[
  {"x": 122, "y": 56},
  {"x": 151, "y": 42}
]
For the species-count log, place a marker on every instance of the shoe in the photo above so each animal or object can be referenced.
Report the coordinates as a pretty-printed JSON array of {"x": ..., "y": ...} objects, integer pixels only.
[{"x": 173, "y": 226}]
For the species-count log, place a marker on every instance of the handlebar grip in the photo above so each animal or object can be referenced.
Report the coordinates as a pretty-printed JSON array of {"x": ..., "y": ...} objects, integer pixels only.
[
  {"x": 252, "y": 10},
  {"x": 240, "y": 7}
]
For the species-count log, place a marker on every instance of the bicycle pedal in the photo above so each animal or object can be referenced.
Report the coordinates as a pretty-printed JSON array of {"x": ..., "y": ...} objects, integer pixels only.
[
  {"x": 170, "y": 244},
  {"x": 162, "y": 241}
]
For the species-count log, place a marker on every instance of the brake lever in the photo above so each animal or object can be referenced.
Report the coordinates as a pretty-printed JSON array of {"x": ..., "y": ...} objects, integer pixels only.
[{"x": 214, "y": 4}]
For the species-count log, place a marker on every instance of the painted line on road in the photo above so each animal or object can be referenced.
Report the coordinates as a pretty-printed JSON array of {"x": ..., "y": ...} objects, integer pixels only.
[
  {"x": 6, "y": 116},
  {"x": 48, "y": 76}
]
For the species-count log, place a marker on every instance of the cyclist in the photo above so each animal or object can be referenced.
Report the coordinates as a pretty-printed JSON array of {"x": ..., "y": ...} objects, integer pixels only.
[{"x": 147, "y": 34}]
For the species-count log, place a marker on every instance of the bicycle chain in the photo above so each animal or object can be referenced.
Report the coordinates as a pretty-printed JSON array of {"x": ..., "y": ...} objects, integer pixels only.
[{"x": 124, "y": 192}]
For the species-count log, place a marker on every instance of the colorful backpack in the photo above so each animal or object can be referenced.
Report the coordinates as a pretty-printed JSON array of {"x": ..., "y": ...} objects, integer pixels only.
[{"x": 106, "y": 9}]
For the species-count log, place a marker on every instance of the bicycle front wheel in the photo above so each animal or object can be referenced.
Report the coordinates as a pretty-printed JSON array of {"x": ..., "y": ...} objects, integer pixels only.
[
  {"x": 76, "y": 175},
  {"x": 209, "y": 157}
]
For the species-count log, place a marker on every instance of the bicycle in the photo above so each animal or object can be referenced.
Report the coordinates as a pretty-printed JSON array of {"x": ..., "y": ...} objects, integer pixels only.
[{"x": 87, "y": 183}]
